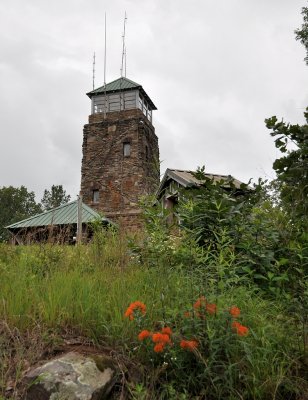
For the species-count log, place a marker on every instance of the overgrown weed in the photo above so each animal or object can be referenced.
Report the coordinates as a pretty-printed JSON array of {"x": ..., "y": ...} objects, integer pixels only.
[{"x": 86, "y": 289}]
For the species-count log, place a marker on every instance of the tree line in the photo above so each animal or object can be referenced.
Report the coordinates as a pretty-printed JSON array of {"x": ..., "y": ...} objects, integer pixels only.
[{"x": 18, "y": 203}]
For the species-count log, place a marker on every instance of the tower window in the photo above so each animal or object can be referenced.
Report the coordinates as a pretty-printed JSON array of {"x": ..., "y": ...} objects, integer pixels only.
[
  {"x": 95, "y": 196},
  {"x": 98, "y": 108},
  {"x": 126, "y": 149},
  {"x": 140, "y": 103},
  {"x": 146, "y": 153}
]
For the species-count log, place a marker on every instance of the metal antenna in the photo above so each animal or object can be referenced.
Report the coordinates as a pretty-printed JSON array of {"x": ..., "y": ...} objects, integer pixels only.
[
  {"x": 105, "y": 52},
  {"x": 125, "y": 62},
  {"x": 93, "y": 71},
  {"x": 105, "y": 58},
  {"x": 123, "y": 47}
]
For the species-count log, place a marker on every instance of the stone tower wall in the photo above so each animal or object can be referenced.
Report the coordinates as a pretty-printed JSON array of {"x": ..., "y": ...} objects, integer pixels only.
[{"x": 121, "y": 180}]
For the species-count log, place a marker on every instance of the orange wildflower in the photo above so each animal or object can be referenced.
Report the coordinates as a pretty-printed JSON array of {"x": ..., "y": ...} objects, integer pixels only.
[
  {"x": 211, "y": 308},
  {"x": 159, "y": 347},
  {"x": 200, "y": 302},
  {"x": 187, "y": 314},
  {"x": 235, "y": 311},
  {"x": 137, "y": 305},
  {"x": 129, "y": 313},
  {"x": 160, "y": 338},
  {"x": 144, "y": 334},
  {"x": 189, "y": 344},
  {"x": 235, "y": 324},
  {"x": 141, "y": 306},
  {"x": 167, "y": 330},
  {"x": 241, "y": 330}
]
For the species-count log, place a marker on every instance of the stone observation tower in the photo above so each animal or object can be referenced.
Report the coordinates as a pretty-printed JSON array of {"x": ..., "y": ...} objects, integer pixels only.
[{"x": 120, "y": 151}]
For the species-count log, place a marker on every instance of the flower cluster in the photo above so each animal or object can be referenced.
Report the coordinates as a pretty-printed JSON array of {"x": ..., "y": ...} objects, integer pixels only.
[
  {"x": 161, "y": 339},
  {"x": 201, "y": 306},
  {"x": 144, "y": 334},
  {"x": 136, "y": 306},
  {"x": 190, "y": 345},
  {"x": 201, "y": 302},
  {"x": 240, "y": 329},
  {"x": 211, "y": 308},
  {"x": 235, "y": 311}
]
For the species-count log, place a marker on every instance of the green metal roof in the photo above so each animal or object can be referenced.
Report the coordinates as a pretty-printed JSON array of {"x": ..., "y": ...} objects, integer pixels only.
[
  {"x": 121, "y": 85},
  {"x": 63, "y": 215},
  {"x": 118, "y": 84}
]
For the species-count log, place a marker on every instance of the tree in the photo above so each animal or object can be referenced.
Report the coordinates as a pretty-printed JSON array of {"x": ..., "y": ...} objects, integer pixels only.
[
  {"x": 15, "y": 204},
  {"x": 302, "y": 34},
  {"x": 292, "y": 168},
  {"x": 54, "y": 197}
]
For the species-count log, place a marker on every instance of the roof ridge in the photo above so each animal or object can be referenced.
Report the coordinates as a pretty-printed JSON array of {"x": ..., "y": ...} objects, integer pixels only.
[
  {"x": 115, "y": 80},
  {"x": 55, "y": 212},
  {"x": 129, "y": 80},
  {"x": 42, "y": 213},
  {"x": 194, "y": 171}
]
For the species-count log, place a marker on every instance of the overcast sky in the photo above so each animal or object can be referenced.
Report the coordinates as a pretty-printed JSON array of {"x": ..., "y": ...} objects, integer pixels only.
[{"x": 214, "y": 69}]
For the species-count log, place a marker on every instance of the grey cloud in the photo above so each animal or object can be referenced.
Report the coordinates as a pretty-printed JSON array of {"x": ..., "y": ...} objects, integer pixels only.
[{"x": 215, "y": 70}]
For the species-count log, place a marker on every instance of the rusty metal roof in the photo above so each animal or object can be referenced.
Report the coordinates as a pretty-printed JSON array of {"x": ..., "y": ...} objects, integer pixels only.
[
  {"x": 63, "y": 215},
  {"x": 121, "y": 85},
  {"x": 187, "y": 179}
]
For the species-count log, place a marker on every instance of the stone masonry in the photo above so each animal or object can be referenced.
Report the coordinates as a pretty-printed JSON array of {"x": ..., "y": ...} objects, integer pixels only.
[{"x": 113, "y": 182}]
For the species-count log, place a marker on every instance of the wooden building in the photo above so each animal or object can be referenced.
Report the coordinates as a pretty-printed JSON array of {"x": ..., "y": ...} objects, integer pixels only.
[{"x": 175, "y": 180}]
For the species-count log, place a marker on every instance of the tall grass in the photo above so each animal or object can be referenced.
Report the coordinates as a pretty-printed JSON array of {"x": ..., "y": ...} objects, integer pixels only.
[
  {"x": 65, "y": 287},
  {"x": 85, "y": 290}
]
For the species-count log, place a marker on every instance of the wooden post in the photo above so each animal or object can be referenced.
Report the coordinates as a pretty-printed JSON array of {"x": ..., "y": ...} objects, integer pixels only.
[{"x": 79, "y": 220}]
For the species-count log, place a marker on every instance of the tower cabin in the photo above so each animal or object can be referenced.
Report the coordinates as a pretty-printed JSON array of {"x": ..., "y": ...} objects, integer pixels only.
[
  {"x": 120, "y": 161},
  {"x": 119, "y": 95}
]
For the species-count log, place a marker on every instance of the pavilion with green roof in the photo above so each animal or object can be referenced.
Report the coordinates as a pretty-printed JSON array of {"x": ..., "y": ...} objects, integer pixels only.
[{"x": 58, "y": 225}]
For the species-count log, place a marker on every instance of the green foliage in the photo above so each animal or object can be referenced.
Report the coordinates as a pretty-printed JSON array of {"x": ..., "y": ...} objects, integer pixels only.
[
  {"x": 302, "y": 34},
  {"x": 292, "y": 182},
  {"x": 235, "y": 229},
  {"x": 214, "y": 207},
  {"x": 201, "y": 342},
  {"x": 292, "y": 168},
  {"x": 230, "y": 244},
  {"x": 54, "y": 197},
  {"x": 158, "y": 245},
  {"x": 15, "y": 204},
  {"x": 214, "y": 361},
  {"x": 86, "y": 289}
]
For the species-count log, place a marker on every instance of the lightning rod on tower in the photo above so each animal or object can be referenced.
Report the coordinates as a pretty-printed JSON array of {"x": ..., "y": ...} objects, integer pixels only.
[
  {"x": 123, "y": 47},
  {"x": 105, "y": 58},
  {"x": 93, "y": 78}
]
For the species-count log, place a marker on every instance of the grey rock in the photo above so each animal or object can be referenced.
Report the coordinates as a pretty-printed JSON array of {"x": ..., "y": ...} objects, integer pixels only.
[{"x": 72, "y": 376}]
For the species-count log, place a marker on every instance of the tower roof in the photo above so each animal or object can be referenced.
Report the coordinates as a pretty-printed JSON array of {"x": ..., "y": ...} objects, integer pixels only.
[{"x": 121, "y": 85}]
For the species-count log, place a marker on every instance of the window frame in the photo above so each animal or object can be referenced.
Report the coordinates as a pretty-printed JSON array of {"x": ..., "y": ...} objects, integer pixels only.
[
  {"x": 127, "y": 145},
  {"x": 95, "y": 195}
]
